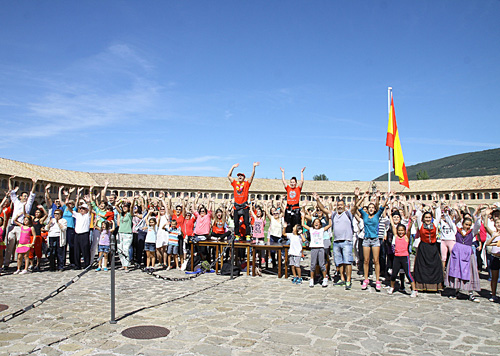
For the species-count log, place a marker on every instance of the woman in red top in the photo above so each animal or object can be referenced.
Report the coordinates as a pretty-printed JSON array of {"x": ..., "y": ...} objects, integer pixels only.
[
  {"x": 219, "y": 226},
  {"x": 292, "y": 211}
]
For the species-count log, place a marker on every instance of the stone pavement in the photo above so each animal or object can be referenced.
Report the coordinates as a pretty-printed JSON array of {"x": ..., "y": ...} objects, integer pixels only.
[{"x": 251, "y": 316}]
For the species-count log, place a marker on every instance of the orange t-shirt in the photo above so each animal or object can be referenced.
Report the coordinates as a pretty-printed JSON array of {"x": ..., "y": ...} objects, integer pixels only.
[
  {"x": 293, "y": 195},
  {"x": 240, "y": 191},
  {"x": 218, "y": 227}
]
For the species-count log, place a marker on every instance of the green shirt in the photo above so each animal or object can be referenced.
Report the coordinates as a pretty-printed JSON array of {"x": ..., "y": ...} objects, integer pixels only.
[{"x": 125, "y": 224}]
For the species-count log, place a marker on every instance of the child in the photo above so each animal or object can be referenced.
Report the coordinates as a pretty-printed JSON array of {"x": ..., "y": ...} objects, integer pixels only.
[
  {"x": 295, "y": 238},
  {"x": 173, "y": 243},
  {"x": 317, "y": 249},
  {"x": 401, "y": 255},
  {"x": 104, "y": 244},
  {"x": 150, "y": 242},
  {"x": 27, "y": 230},
  {"x": 2, "y": 242}
]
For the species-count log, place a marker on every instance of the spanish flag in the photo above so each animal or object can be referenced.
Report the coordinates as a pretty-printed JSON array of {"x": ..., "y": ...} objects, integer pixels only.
[{"x": 393, "y": 142}]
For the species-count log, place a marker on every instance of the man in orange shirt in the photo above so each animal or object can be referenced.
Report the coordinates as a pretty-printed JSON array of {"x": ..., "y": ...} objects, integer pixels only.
[
  {"x": 241, "y": 208},
  {"x": 292, "y": 212}
]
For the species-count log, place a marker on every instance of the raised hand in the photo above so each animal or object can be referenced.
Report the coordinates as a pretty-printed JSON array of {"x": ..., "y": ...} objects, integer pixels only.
[
  {"x": 356, "y": 191},
  {"x": 47, "y": 187},
  {"x": 282, "y": 170},
  {"x": 255, "y": 164},
  {"x": 71, "y": 190},
  {"x": 303, "y": 169}
]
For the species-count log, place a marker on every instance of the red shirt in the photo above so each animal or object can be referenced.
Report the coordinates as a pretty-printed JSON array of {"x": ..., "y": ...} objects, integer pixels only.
[
  {"x": 240, "y": 191},
  {"x": 428, "y": 236},
  {"x": 187, "y": 226},
  {"x": 6, "y": 213},
  {"x": 179, "y": 219},
  {"x": 293, "y": 195},
  {"x": 218, "y": 227}
]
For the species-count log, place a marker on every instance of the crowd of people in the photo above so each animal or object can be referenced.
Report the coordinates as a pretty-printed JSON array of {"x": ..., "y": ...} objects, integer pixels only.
[{"x": 376, "y": 232}]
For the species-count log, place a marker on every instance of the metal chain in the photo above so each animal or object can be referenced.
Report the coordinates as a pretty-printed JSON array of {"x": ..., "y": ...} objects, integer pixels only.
[{"x": 39, "y": 302}]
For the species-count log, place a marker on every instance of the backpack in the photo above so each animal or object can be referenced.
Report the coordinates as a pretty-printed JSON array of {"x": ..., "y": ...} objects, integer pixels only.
[
  {"x": 197, "y": 261},
  {"x": 226, "y": 270}
]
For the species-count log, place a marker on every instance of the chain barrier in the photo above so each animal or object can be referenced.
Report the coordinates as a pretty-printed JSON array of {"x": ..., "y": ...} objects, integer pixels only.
[{"x": 39, "y": 302}]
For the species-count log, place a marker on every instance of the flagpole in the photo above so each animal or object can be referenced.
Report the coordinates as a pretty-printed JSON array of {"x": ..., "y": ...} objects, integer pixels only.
[{"x": 389, "y": 94}]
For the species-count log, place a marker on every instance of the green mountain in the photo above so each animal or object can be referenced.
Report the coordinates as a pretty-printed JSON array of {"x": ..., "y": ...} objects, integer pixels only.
[{"x": 482, "y": 163}]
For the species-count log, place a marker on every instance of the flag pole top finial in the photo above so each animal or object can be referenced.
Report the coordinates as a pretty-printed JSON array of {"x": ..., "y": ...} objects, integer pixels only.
[{"x": 390, "y": 88}]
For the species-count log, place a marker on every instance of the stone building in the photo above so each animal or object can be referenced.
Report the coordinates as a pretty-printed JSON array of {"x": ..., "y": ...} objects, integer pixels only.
[{"x": 472, "y": 190}]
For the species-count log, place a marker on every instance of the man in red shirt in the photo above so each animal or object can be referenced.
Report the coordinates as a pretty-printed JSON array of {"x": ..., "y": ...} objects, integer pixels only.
[
  {"x": 241, "y": 208},
  {"x": 292, "y": 212}
]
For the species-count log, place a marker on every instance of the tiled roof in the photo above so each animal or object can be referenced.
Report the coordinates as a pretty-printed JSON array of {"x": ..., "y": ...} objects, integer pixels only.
[{"x": 191, "y": 183}]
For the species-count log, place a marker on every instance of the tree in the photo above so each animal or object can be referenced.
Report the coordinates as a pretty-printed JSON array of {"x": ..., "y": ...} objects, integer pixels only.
[
  {"x": 422, "y": 174},
  {"x": 320, "y": 177}
]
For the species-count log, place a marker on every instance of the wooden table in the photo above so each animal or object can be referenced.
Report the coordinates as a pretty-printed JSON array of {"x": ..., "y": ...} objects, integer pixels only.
[
  {"x": 278, "y": 248},
  {"x": 219, "y": 246}
]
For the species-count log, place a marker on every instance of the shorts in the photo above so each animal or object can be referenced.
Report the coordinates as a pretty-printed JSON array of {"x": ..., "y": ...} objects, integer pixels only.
[
  {"x": 369, "y": 242},
  {"x": 342, "y": 252},
  {"x": 103, "y": 248},
  {"x": 495, "y": 264},
  {"x": 150, "y": 246},
  {"x": 317, "y": 258},
  {"x": 258, "y": 241},
  {"x": 294, "y": 261},
  {"x": 172, "y": 250}
]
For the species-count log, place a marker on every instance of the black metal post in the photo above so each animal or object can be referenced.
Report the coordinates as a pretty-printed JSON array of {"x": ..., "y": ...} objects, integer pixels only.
[
  {"x": 232, "y": 257},
  {"x": 112, "y": 320}
]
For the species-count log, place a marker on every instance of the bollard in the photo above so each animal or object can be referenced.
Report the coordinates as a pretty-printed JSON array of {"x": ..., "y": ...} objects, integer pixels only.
[
  {"x": 112, "y": 320},
  {"x": 232, "y": 257}
]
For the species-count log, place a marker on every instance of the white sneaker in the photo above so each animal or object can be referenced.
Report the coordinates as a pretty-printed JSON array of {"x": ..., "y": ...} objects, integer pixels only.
[
  {"x": 390, "y": 291},
  {"x": 17, "y": 272},
  {"x": 325, "y": 283},
  {"x": 311, "y": 283},
  {"x": 414, "y": 294},
  {"x": 23, "y": 271}
]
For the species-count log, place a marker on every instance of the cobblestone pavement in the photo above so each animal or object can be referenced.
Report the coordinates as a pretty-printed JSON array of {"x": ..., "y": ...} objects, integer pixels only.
[{"x": 246, "y": 316}]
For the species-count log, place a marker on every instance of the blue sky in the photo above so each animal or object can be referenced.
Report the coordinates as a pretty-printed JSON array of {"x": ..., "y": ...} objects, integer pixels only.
[{"x": 191, "y": 87}]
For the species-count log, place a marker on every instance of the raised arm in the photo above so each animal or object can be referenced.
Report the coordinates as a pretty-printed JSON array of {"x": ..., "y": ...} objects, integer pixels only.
[
  {"x": 103, "y": 192},
  {"x": 320, "y": 204},
  {"x": 48, "y": 200},
  {"x": 231, "y": 172},
  {"x": 250, "y": 180},
  {"x": 301, "y": 183},
  {"x": 283, "y": 177}
]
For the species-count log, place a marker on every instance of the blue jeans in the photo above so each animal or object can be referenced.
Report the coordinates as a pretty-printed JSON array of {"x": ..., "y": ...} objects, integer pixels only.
[{"x": 342, "y": 252}]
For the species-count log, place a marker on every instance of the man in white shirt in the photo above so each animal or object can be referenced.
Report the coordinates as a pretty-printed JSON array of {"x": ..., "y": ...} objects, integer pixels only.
[
  {"x": 22, "y": 205},
  {"x": 82, "y": 233}
]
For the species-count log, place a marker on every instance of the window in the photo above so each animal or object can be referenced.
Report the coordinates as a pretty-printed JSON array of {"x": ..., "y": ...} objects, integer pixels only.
[
  {"x": 459, "y": 196},
  {"x": 302, "y": 197},
  {"x": 86, "y": 192},
  {"x": 429, "y": 197},
  {"x": 480, "y": 195},
  {"x": 130, "y": 194},
  {"x": 424, "y": 197},
  {"x": 271, "y": 197},
  {"x": 21, "y": 187},
  {"x": 447, "y": 196},
  {"x": 252, "y": 196},
  {"x": 259, "y": 196},
  {"x": 226, "y": 196},
  {"x": 219, "y": 196},
  {"x": 349, "y": 199},
  {"x": 192, "y": 195},
  {"x": 466, "y": 196},
  {"x": 487, "y": 196},
  {"x": 37, "y": 188},
  {"x": 473, "y": 196},
  {"x": 277, "y": 197},
  {"x": 494, "y": 196},
  {"x": 4, "y": 183}
]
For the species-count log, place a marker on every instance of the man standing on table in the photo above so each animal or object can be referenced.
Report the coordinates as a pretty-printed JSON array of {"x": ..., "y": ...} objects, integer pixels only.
[{"x": 241, "y": 208}]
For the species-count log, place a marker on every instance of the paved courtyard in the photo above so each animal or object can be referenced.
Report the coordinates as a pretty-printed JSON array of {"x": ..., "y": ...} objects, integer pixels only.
[{"x": 254, "y": 316}]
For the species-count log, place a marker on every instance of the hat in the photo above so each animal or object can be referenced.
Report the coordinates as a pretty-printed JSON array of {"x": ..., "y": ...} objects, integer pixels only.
[
  {"x": 84, "y": 205},
  {"x": 241, "y": 174}
]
